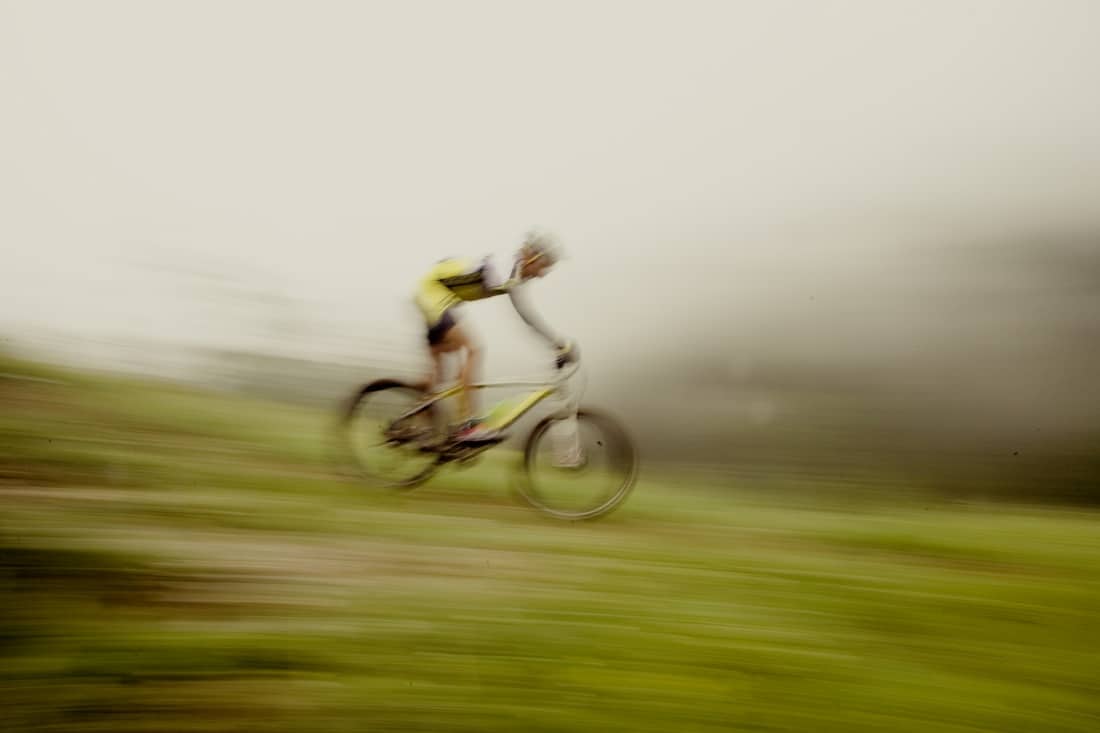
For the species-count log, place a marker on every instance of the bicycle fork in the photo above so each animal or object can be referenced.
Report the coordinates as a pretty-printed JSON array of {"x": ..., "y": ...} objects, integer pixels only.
[{"x": 565, "y": 439}]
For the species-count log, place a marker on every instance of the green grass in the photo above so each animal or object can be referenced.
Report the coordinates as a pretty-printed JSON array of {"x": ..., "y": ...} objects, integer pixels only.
[{"x": 178, "y": 561}]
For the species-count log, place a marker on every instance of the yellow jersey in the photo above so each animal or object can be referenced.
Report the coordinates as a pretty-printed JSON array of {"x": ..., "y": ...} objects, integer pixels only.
[{"x": 455, "y": 280}]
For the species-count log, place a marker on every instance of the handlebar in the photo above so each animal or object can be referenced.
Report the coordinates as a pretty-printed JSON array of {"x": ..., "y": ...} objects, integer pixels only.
[
  {"x": 568, "y": 355},
  {"x": 566, "y": 371}
]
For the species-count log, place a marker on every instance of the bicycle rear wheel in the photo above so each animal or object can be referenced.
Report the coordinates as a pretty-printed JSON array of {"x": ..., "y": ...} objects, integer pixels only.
[
  {"x": 590, "y": 484},
  {"x": 390, "y": 450}
]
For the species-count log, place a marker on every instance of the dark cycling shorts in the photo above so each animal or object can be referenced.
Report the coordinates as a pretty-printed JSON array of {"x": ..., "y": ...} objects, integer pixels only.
[{"x": 440, "y": 329}]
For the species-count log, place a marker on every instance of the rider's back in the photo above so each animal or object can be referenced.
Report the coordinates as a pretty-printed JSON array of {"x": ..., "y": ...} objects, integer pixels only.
[{"x": 452, "y": 281}]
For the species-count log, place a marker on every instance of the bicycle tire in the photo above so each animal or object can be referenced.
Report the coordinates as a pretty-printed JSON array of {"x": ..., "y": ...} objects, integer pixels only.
[
  {"x": 623, "y": 460},
  {"x": 354, "y": 406}
]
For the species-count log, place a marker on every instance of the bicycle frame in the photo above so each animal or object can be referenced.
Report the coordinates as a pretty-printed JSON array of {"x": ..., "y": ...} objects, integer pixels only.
[
  {"x": 615, "y": 455},
  {"x": 546, "y": 388}
]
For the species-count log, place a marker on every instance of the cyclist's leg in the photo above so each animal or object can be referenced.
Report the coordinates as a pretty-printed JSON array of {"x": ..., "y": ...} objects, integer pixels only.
[
  {"x": 446, "y": 336},
  {"x": 457, "y": 340},
  {"x": 437, "y": 332},
  {"x": 434, "y": 378}
]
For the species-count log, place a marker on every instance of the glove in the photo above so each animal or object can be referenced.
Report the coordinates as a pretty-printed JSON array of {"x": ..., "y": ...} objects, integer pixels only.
[{"x": 567, "y": 353}]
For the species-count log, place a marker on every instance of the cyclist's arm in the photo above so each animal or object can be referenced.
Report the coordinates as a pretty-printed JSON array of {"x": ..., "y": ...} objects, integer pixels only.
[
  {"x": 496, "y": 286},
  {"x": 527, "y": 313}
]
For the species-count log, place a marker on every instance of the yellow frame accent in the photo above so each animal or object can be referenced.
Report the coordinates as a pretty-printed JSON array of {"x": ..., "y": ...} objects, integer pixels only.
[
  {"x": 501, "y": 421},
  {"x": 497, "y": 422}
]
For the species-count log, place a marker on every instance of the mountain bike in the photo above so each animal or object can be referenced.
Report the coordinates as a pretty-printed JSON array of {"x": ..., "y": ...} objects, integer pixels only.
[{"x": 576, "y": 463}]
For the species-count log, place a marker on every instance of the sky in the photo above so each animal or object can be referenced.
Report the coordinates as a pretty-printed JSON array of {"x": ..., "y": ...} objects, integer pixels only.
[{"x": 783, "y": 178}]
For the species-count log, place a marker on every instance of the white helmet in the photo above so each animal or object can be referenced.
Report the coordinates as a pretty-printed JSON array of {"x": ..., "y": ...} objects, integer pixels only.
[{"x": 543, "y": 243}]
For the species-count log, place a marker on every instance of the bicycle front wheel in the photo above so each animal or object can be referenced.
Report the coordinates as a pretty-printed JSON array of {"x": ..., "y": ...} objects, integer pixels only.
[{"x": 580, "y": 471}]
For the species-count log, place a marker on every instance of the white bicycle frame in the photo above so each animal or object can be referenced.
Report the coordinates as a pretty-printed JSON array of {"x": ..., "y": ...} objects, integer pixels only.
[{"x": 559, "y": 385}]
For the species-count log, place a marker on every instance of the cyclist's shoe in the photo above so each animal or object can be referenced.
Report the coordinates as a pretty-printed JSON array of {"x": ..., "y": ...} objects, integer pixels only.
[{"x": 475, "y": 431}]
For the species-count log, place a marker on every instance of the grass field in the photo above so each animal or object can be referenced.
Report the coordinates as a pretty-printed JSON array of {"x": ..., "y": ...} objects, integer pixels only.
[{"x": 180, "y": 561}]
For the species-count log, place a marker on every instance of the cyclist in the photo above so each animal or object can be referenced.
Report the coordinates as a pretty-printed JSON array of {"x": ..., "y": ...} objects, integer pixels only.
[{"x": 453, "y": 281}]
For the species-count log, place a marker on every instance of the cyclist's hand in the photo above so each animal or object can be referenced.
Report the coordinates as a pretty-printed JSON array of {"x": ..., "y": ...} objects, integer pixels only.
[{"x": 567, "y": 353}]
